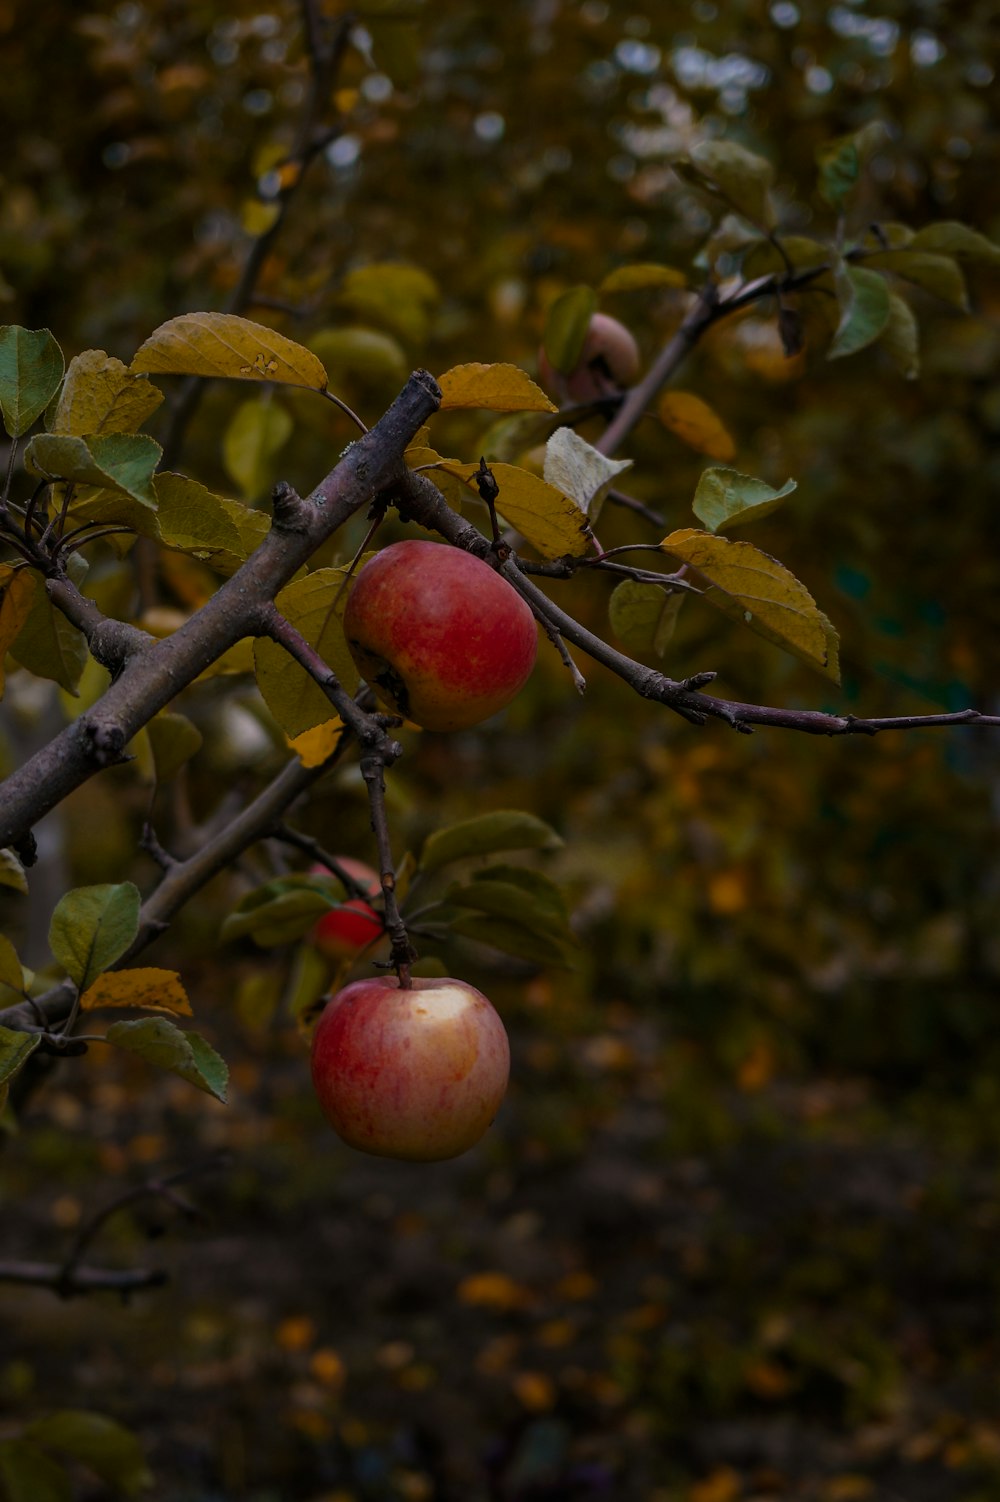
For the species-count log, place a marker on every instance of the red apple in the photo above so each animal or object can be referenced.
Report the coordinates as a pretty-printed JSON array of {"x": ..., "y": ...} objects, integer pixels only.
[
  {"x": 440, "y": 636},
  {"x": 608, "y": 361},
  {"x": 345, "y": 931},
  {"x": 416, "y": 1074}
]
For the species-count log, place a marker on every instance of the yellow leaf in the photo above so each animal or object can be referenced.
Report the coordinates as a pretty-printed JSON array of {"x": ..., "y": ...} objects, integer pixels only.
[
  {"x": 639, "y": 277},
  {"x": 750, "y": 587},
  {"x": 493, "y": 1290},
  {"x": 552, "y": 522},
  {"x": 220, "y": 344},
  {"x": 153, "y": 990},
  {"x": 101, "y": 395},
  {"x": 695, "y": 424},
  {"x": 498, "y": 388},
  {"x": 314, "y": 746},
  {"x": 17, "y": 589}
]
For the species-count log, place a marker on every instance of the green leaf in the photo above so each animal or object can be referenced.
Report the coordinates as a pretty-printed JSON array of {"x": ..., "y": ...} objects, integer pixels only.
[
  {"x": 17, "y": 590},
  {"x": 255, "y": 436},
  {"x": 510, "y": 938},
  {"x": 553, "y": 523},
  {"x": 47, "y": 644},
  {"x": 108, "y": 1448},
  {"x": 117, "y": 461},
  {"x": 757, "y": 591},
  {"x": 566, "y": 327},
  {"x": 641, "y": 277},
  {"x": 29, "y": 1475},
  {"x": 315, "y": 606},
  {"x": 92, "y": 927},
  {"x": 740, "y": 176},
  {"x": 101, "y": 395},
  {"x": 939, "y": 275},
  {"x": 195, "y": 520},
  {"x": 485, "y": 834},
  {"x": 643, "y": 616},
  {"x": 726, "y": 499},
  {"x": 233, "y": 348},
  {"x": 399, "y": 297},
  {"x": 11, "y": 973},
  {"x": 15, "y": 1049},
  {"x": 163, "y": 1045},
  {"x": 174, "y": 740},
  {"x": 277, "y": 913},
  {"x": 901, "y": 338},
  {"x": 516, "y": 904},
  {"x": 953, "y": 239},
  {"x": 840, "y": 162},
  {"x": 579, "y": 470},
  {"x": 864, "y": 311},
  {"x": 31, "y": 367},
  {"x": 12, "y": 872}
]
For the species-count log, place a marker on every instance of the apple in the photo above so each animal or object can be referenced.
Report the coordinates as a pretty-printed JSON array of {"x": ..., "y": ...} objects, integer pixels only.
[
  {"x": 440, "y": 636},
  {"x": 609, "y": 360},
  {"x": 343, "y": 932},
  {"x": 415, "y": 1073}
]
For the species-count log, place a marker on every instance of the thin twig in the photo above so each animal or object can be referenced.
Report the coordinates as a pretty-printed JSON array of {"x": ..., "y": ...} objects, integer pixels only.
[{"x": 403, "y": 953}]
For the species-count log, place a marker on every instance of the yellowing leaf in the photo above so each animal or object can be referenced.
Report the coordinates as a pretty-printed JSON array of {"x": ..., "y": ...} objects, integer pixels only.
[
  {"x": 740, "y": 176},
  {"x": 255, "y": 436},
  {"x": 173, "y": 741},
  {"x": 399, "y": 297},
  {"x": 695, "y": 424},
  {"x": 552, "y": 522},
  {"x": 726, "y": 499},
  {"x": 315, "y": 606},
  {"x": 940, "y": 275},
  {"x": 642, "y": 276},
  {"x": 153, "y": 990},
  {"x": 194, "y": 520},
  {"x": 101, "y": 395},
  {"x": 493, "y": 1290},
  {"x": 163, "y": 1045},
  {"x": 314, "y": 746},
  {"x": 220, "y": 344},
  {"x": 497, "y": 388},
  {"x": 756, "y": 590},
  {"x": 17, "y": 588},
  {"x": 644, "y": 616}
]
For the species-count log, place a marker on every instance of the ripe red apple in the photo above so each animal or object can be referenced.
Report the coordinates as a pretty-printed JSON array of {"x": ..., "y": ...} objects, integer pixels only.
[
  {"x": 440, "y": 636},
  {"x": 609, "y": 360},
  {"x": 416, "y": 1074},
  {"x": 344, "y": 931}
]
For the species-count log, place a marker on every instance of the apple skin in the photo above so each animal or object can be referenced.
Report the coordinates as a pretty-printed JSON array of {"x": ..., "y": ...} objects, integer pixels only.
[
  {"x": 439, "y": 635},
  {"x": 415, "y": 1074},
  {"x": 343, "y": 932},
  {"x": 609, "y": 360}
]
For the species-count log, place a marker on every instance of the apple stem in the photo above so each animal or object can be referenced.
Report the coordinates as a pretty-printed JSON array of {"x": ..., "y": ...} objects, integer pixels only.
[{"x": 402, "y": 953}]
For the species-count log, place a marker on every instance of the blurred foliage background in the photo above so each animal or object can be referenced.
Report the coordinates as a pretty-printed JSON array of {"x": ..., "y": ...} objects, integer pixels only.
[{"x": 734, "y": 1234}]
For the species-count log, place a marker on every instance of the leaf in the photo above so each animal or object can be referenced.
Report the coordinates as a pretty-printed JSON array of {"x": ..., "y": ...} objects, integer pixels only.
[
  {"x": 220, "y": 344},
  {"x": 901, "y": 338},
  {"x": 173, "y": 740},
  {"x": 939, "y": 275},
  {"x": 194, "y": 520},
  {"x": 864, "y": 311},
  {"x": 509, "y": 437},
  {"x": 951, "y": 238},
  {"x": 29, "y": 1475},
  {"x": 763, "y": 256},
  {"x": 118, "y": 461},
  {"x": 163, "y": 1045},
  {"x": 281, "y": 911},
  {"x": 48, "y": 645},
  {"x": 15, "y": 1049},
  {"x": 553, "y": 523},
  {"x": 101, "y": 395},
  {"x": 643, "y": 616},
  {"x": 695, "y": 423},
  {"x": 726, "y": 499},
  {"x": 256, "y": 434},
  {"x": 483, "y": 835},
  {"x": 515, "y": 904},
  {"x": 640, "y": 277},
  {"x": 155, "y": 990},
  {"x": 366, "y": 357},
  {"x": 313, "y": 747},
  {"x": 742, "y": 177},
  {"x": 750, "y": 587},
  {"x": 315, "y": 606},
  {"x": 579, "y": 470},
  {"x": 497, "y": 388},
  {"x": 17, "y": 588},
  {"x": 400, "y": 297},
  {"x": 566, "y": 327},
  {"x": 110, "y": 1450},
  {"x": 11, "y": 973},
  {"x": 31, "y": 367},
  {"x": 510, "y": 938},
  {"x": 12, "y": 872},
  {"x": 92, "y": 927},
  {"x": 840, "y": 162}
]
